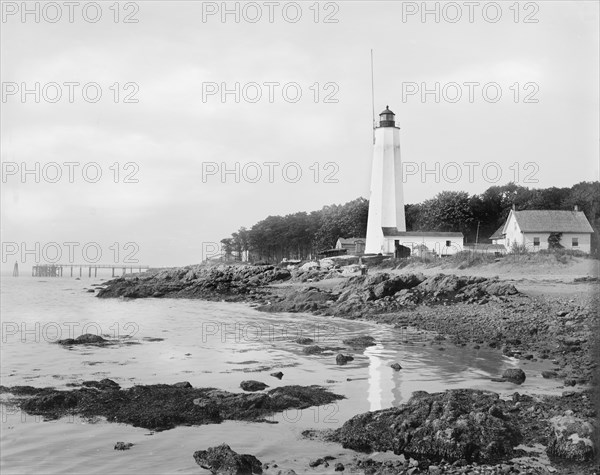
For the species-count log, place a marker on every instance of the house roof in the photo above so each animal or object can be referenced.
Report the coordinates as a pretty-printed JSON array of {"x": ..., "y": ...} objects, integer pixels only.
[
  {"x": 498, "y": 234},
  {"x": 394, "y": 232},
  {"x": 553, "y": 221}
]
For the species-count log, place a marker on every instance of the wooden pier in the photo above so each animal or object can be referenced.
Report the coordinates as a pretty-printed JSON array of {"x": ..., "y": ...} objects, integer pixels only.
[{"x": 58, "y": 270}]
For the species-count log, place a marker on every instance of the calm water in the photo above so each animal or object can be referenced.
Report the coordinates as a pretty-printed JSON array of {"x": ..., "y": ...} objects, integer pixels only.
[{"x": 209, "y": 344}]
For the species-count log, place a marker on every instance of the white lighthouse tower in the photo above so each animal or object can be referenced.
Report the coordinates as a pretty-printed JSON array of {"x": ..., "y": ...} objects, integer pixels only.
[{"x": 386, "y": 203}]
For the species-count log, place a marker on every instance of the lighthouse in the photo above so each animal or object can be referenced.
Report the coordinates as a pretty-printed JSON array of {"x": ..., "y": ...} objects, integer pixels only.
[
  {"x": 386, "y": 224},
  {"x": 386, "y": 202}
]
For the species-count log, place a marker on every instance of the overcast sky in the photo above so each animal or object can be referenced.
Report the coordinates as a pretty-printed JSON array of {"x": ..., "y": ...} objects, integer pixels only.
[{"x": 541, "y": 132}]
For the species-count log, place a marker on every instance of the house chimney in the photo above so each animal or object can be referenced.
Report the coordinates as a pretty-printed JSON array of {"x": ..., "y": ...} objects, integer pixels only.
[
  {"x": 576, "y": 208},
  {"x": 514, "y": 207}
]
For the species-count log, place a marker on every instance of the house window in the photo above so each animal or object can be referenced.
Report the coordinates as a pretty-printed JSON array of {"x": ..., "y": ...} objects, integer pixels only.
[
  {"x": 575, "y": 242},
  {"x": 536, "y": 241},
  {"x": 448, "y": 243}
]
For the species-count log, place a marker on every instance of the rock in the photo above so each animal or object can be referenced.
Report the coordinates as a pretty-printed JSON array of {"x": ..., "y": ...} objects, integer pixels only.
[
  {"x": 500, "y": 288},
  {"x": 320, "y": 461},
  {"x": 253, "y": 386},
  {"x": 85, "y": 339},
  {"x": 104, "y": 384},
  {"x": 162, "y": 406},
  {"x": 396, "y": 366},
  {"x": 339, "y": 467},
  {"x": 222, "y": 460},
  {"x": 51, "y": 405},
  {"x": 309, "y": 265},
  {"x": 277, "y": 375},
  {"x": 304, "y": 341},
  {"x": 183, "y": 384},
  {"x": 496, "y": 411},
  {"x": 452, "y": 425},
  {"x": 123, "y": 446},
  {"x": 362, "y": 341},
  {"x": 312, "y": 350},
  {"x": 571, "y": 438},
  {"x": 208, "y": 282},
  {"x": 343, "y": 359},
  {"x": 89, "y": 338},
  {"x": 549, "y": 374},
  {"x": 514, "y": 375}
]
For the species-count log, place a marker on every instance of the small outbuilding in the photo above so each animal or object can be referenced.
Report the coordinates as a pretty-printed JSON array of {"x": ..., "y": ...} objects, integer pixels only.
[{"x": 352, "y": 245}]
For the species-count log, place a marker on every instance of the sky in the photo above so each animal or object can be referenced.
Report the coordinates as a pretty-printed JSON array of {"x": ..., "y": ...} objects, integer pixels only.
[{"x": 138, "y": 147}]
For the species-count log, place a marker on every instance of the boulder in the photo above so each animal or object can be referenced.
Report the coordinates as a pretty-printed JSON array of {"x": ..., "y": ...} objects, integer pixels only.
[
  {"x": 85, "y": 339},
  {"x": 549, "y": 374},
  {"x": 500, "y": 288},
  {"x": 571, "y": 438},
  {"x": 396, "y": 283},
  {"x": 103, "y": 384},
  {"x": 123, "y": 446},
  {"x": 343, "y": 359},
  {"x": 222, "y": 460},
  {"x": 312, "y": 350},
  {"x": 514, "y": 375},
  {"x": 253, "y": 386},
  {"x": 458, "y": 424},
  {"x": 309, "y": 265},
  {"x": 304, "y": 341},
  {"x": 277, "y": 375},
  {"x": 396, "y": 366},
  {"x": 361, "y": 341}
]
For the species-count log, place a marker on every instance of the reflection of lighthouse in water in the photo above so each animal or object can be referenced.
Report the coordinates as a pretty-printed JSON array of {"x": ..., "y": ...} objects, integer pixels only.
[{"x": 381, "y": 378}]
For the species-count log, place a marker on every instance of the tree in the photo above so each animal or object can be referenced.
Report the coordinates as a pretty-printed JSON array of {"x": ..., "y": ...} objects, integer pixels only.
[
  {"x": 227, "y": 247},
  {"x": 301, "y": 235},
  {"x": 554, "y": 241},
  {"x": 449, "y": 211}
]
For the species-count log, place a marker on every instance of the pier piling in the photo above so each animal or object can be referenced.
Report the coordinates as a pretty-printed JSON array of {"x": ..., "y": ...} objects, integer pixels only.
[{"x": 57, "y": 270}]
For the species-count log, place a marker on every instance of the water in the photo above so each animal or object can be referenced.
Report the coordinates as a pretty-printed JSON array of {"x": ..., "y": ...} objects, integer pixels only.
[{"x": 209, "y": 344}]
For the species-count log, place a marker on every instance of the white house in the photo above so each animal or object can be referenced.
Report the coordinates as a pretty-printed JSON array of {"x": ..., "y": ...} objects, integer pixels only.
[
  {"x": 422, "y": 242},
  {"x": 532, "y": 228}
]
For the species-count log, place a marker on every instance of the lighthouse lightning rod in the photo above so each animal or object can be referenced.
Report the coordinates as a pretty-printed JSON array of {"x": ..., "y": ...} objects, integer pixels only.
[{"x": 373, "y": 96}]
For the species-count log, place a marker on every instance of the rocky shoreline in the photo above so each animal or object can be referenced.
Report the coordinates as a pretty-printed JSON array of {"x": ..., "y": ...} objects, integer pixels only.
[
  {"x": 457, "y": 431},
  {"x": 462, "y": 310}
]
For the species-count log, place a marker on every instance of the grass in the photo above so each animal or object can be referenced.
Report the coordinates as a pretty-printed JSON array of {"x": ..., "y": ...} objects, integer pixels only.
[{"x": 466, "y": 259}]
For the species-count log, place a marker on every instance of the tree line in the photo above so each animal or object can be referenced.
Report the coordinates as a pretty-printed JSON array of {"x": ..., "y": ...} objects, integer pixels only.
[{"x": 303, "y": 235}]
